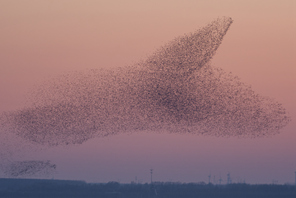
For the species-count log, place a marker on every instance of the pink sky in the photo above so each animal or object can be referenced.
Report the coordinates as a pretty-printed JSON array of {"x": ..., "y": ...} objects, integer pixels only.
[{"x": 42, "y": 39}]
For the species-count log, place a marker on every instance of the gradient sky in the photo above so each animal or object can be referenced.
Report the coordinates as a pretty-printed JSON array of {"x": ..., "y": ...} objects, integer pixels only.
[{"x": 42, "y": 39}]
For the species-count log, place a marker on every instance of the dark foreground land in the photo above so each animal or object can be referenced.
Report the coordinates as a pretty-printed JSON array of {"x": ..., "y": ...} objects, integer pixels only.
[{"x": 63, "y": 188}]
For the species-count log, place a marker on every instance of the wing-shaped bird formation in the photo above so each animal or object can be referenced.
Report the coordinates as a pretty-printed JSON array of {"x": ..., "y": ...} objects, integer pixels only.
[{"x": 174, "y": 90}]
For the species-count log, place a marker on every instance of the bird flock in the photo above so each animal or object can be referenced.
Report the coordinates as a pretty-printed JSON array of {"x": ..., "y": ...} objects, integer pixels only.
[
  {"x": 175, "y": 90},
  {"x": 29, "y": 168}
]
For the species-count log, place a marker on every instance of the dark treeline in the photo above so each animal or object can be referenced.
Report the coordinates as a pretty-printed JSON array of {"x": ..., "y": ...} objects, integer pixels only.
[{"x": 63, "y": 188}]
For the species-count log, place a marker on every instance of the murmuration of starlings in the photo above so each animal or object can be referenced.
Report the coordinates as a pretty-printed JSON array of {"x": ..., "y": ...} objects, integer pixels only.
[{"x": 174, "y": 90}]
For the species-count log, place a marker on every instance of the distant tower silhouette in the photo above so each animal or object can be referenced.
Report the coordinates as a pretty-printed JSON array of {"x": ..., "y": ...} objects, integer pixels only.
[
  {"x": 151, "y": 172},
  {"x": 229, "y": 179},
  {"x": 209, "y": 178},
  {"x": 153, "y": 192},
  {"x": 220, "y": 180}
]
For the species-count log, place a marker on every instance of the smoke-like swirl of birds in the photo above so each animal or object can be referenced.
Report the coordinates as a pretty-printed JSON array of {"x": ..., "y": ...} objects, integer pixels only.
[{"x": 174, "y": 90}]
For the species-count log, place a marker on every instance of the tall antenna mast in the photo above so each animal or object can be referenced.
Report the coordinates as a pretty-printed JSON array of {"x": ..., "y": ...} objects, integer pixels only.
[
  {"x": 229, "y": 179},
  {"x": 151, "y": 172}
]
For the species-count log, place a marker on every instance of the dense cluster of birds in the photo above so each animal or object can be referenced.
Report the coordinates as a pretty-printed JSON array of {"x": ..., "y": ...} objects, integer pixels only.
[
  {"x": 28, "y": 168},
  {"x": 174, "y": 90}
]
